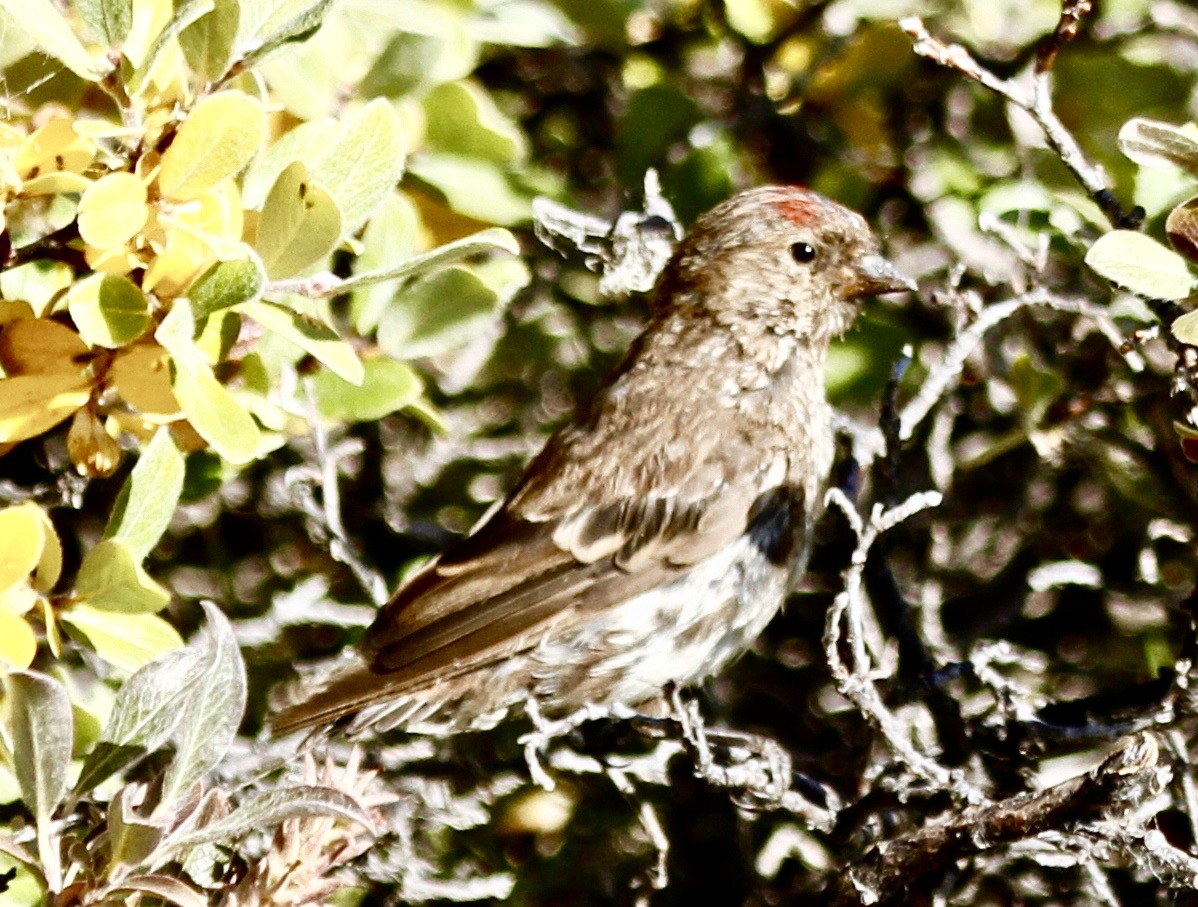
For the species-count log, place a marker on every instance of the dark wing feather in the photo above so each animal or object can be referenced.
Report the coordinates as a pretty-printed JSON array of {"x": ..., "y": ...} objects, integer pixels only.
[{"x": 525, "y": 581}]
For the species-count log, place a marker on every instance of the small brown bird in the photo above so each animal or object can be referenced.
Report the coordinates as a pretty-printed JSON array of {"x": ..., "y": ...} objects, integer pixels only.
[{"x": 655, "y": 536}]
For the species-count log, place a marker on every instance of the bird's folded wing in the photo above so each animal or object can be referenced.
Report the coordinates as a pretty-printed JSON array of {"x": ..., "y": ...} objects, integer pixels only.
[{"x": 517, "y": 579}]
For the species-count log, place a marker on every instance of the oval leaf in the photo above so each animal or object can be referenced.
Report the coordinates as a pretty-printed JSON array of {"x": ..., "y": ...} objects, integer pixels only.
[
  {"x": 300, "y": 223},
  {"x": 149, "y": 498},
  {"x": 225, "y": 284},
  {"x": 214, "y": 710},
  {"x": 1185, "y": 328},
  {"x": 148, "y": 708},
  {"x": 219, "y": 137},
  {"x": 365, "y": 162},
  {"x": 214, "y": 412},
  {"x": 42, "y": 23},
  {"x": 22, "y": 540},
  {"x": 310, "y": 335},
  {"x": 208, "y": 42},
  {"x": 1140, "y": 264},
  {"x": 18, "y": 644},
  {"x": 112, "y": 210},
  {"x": 387, "y": 386},
  {"x": 109, "y": 20},
  {"x": 41, "y": 729},
  {"x": 32, "y": 404},
  {"x": 269, "y": 809},
  {"x": 125, "y": 640},
  {"x": 109, "y": 310},
  {"x": 111, "y": 579},
  {"x": 1154, "y": 143}
]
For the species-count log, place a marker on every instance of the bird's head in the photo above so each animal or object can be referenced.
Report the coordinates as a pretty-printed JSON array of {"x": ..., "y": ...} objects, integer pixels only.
[{"x": 782, "y": 259}]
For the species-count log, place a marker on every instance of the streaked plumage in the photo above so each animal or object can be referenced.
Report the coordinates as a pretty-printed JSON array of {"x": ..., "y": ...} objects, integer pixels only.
[{"x": 655, "y": 536}]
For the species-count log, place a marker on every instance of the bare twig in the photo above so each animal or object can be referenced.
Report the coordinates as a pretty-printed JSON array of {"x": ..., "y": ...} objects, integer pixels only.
[
  {"x": 846, "y": 626},
  {"x": 885, "y": 873},
  {"x": 1036, "y": 101},
  {"x": 1068, "y": 25}
]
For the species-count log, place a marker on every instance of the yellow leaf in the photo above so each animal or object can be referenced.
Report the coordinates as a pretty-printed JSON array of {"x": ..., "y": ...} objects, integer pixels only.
[
  {"x": 32, "y": 404},
  {"x": 14, "y": 310},
  {"x": 142, "y": 376},
  {"x": 55, "y": 147},
  {"x": 55, "y": 184},
  {"x": 22, "y": 539},
  {"x": 125, "y": 640},
  {"x": 39, "y": 346},
  {"x": 120, "y": 260},
  {"x": 112, "y": 210},
  {"x": 18, "y": 645},
  {"x": 49, "y": 566},
  {"x": 20, "y": 599},
  {"x": 189, "y": 238},
  {"x": 219, "y": 137}
]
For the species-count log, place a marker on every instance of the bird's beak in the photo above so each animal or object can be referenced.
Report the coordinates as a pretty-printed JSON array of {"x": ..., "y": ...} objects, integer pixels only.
[{"x": 873, "y": 274}]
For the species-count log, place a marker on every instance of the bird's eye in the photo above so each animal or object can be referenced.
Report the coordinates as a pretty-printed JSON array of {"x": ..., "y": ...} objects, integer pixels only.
[{"x": 802, "y": 252}]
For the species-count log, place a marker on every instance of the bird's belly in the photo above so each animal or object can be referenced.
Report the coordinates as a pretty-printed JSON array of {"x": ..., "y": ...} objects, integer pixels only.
[{"x": 678, "y": 633}]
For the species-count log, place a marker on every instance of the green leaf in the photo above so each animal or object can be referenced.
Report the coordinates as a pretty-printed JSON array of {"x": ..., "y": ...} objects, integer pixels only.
[
  {"x": 42, "y": 23},
  {"x": 40, "y": 729},
  {"x": 411, "y": 61},
  {"x": 125, "y": 640},
  {"x": 310, "y": 335},
  {"x": 148, "y": 708},
  {"x": 365, "y": 162},
  {"x": 226, "y": 284},
  {"x": 108, "y": 20},
  {"x": 489, "y": 240},
  {"x": 462, "y": 119},
  {"x": 439, "y": 313},
  {"x": 214, "y": 710},
  {"x": 307, "y": 142},
  {"x": 388, "y": 386},
  {"x": 300, "y": 223},
  {"x": 1140, "y": 264},
  {"x": 109, "y": 310},
  {"x": 111, "y": 579},
  {"x": 271, "y": 808},
  {"x": 220, "y": 136},
  {"x": 269, "y": 24},
  {"x": 132, "y": 838},
  {"x": 392, "y": 235},
  {"x": 1185, "y": 328},
  {"x": 148, "y": 500},
  {"x": 474, "y": 187},
  {"x": 208, "y": 43},
  {"x": 185, "y": 13},
  {"x": 214, "y": 412},
  {"x": 1152, "y": 143}
]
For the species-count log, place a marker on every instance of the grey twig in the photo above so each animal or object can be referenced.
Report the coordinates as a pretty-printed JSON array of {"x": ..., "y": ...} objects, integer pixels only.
[
  {"x": 1034, "y": 99},
  {"x": 885, "y": 873}
]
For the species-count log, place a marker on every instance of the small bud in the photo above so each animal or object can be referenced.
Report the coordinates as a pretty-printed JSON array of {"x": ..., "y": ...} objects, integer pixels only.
[{"x": 93, "y": 451}]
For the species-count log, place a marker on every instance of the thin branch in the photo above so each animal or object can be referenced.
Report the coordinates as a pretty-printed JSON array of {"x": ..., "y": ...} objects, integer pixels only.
[
  {"x": 1036, "y": 101},
  {"x": 886, "y": 872}
]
